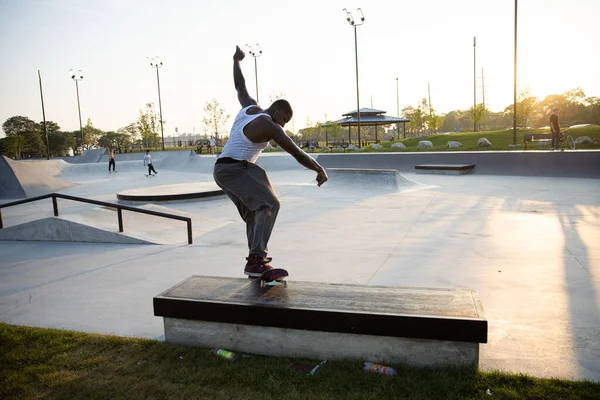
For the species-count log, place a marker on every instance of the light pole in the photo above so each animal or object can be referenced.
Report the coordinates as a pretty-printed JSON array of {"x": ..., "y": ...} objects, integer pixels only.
[
  {"x": 44, "y": 116},
  {"x": 354, "y": 25},
  {"x": 514, "y": 143},
  {"x": 474, "y": 85},
  {"x": 77, "y": 77},
  {"x": 255, "y": 55},
  {"x": 156, "y": 63},
  {"x": 397, "y": 110}
]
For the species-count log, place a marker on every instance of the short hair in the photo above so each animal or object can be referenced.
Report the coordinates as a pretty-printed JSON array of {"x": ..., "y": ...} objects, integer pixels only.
[
  {"x": 555, "y": 109},
  {"x": 283, "y": 105}
]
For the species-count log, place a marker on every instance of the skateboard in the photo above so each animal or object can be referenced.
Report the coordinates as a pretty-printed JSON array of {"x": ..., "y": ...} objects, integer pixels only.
[
  {"x": 150, "y": 175},
  {"x": 272, "y": 277}
]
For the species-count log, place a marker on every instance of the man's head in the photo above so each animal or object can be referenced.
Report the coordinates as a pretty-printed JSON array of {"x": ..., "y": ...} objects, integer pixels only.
[
  {"x": 147, "y": 151},
  {"x": 555, "y": 110},
  {"x": 281, "y": 112}
]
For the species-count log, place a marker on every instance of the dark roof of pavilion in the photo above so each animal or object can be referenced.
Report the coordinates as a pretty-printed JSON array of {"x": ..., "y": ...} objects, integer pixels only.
[{"x": 368, "y": 116}]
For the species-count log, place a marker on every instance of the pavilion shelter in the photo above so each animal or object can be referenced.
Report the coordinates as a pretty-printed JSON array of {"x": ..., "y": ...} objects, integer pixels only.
[{"x": 369, "y": 117}]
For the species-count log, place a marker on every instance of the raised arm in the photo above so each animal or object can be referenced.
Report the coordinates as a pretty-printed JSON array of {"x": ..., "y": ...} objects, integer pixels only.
[{"x": 239, "y": 81}]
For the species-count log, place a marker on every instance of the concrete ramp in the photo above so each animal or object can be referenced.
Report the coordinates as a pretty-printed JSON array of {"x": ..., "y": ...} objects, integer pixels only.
[
  {"x": 56, "y": 229},
  {"x": 91, "y": 155},
  {"x": 280, "y": 161},
  {"x": 20, "y": 179},
  {"x": 100, "y": 225},
  {"x": 368, "y": 179}
]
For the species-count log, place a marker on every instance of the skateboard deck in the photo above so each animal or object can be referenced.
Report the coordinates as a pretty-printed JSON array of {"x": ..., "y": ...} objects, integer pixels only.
[{"x": 272, "y": 277}]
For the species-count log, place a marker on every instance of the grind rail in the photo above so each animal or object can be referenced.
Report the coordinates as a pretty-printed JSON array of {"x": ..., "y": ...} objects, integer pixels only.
[{"x": 119, "y": 208}]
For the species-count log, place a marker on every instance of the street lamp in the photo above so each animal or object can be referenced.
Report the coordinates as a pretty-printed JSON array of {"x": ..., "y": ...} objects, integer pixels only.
[
  {"x": 156, "y": 63},
  {"x": 353, "y": 24},
  {"x": 397, "y": 110},
  {"x": 77, "y": 77},
  {"x": 255, "y": 55},
  {"x": 514, "y": 143},
  {"x": 474, "y": 84}
]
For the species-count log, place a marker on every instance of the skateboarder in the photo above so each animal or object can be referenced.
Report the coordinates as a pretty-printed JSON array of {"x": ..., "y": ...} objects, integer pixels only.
[
  {"x": 111, "y": 160},
  {"x": 148, "y": 162},
  {"x": 247, "y": 184}
]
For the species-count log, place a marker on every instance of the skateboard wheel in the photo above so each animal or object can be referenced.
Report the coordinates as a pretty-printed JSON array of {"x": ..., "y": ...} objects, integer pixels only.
[
  {"x": 285, "y": 284},
  {"x": 262, "y": 284}
]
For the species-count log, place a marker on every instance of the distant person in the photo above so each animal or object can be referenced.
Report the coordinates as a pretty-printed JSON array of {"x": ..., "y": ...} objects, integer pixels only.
[
  {"x": 148, "y": 162},
  {"x": 555, "y": 128},
  {"x": 211, "y": 143},
  {"x": 111, "y": 160},
  {"x": 244, "y": 182}
]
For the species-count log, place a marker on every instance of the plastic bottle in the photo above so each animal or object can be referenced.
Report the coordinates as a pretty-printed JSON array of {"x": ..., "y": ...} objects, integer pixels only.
[
  {"x": 228, "y": 355},
  {"x": 379, "y": 369}
]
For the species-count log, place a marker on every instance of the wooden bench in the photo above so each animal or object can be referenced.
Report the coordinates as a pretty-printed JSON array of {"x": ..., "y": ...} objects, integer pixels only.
[
  {"x": 536, "y": 137},
  {"x": 418, "y": 326}
]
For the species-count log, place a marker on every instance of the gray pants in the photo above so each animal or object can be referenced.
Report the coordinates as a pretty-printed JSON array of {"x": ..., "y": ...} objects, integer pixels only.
[{"x": 248, "y": 186}]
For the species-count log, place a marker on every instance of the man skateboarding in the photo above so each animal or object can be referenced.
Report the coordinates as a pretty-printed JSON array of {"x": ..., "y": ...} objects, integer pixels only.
[
  {"x": 244, "y": 182},
  {"x": 148, "y": 162}
]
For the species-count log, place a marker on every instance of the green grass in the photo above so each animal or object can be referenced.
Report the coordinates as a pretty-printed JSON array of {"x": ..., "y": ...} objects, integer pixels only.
[
  {"x": 53, "y": 364},
  {"x": 500, "y": 140}
]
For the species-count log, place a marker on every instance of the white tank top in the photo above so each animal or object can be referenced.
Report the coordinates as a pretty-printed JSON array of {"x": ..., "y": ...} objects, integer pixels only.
[{"x": 238, "y": 145}]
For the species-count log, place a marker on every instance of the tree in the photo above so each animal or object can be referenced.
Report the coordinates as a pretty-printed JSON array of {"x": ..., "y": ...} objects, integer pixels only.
[
  {"x": 60, "y": 143},
  {"x": 417, "y": 121},
  {"x": 110, "y": 139},
  {"x": 215, "y": 119},
  {"x": 593, "y": 110},
  {"x": 12, "y": 146},
  {"x": 30, "y": 142},
  {"x": 477, "y": 115},
  {"x": 147, "y": 125},
  {"x": 91, "y": 134},
  {"x": 18, "y": 125},
  {"x": 527, "y": 106},
  {"x": 335, "y": 131}
]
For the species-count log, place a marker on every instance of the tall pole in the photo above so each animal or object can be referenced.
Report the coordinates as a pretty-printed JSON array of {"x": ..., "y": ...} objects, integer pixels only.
[
  {"x": 162, "y": 133},
  {"x": 79, "y": 112},
  {"x": 354, "y": 25},
  {"x": 430, "y": 109},
  {"x": 514, "y": 143},
  {"x": 357, "y": 94},
  {"x": 256, "y": 77},
  {"x": 474, "y": 84},
  {"x": 77, "y": 78},
  {"x": 254, "y": 54},
  {"x": 156, "y": 63},
  {"x": 482, "y": 93},
  {"x": 397, "y": 110},
  {"x": 44, "y": 116}
]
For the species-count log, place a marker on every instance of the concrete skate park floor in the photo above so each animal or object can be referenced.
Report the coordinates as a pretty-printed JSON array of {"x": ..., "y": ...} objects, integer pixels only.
[{"x": 529, "y": 245}]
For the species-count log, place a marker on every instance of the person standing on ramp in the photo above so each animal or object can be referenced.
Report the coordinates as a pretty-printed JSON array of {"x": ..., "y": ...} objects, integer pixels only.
[
  {"x": 244, "y": 182},
  {"x": 111, "y": 160},
  {"x": 148, "y": 162}
]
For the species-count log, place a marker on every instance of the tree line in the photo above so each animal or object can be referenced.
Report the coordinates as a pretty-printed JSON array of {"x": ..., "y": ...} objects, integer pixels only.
[
  {"x": 575, "y": 108},
  {"x": 26, "y": 138}
]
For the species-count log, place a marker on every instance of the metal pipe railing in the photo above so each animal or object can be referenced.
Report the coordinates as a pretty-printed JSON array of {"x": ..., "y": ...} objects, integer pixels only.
[{"x": 119, "y": 208}]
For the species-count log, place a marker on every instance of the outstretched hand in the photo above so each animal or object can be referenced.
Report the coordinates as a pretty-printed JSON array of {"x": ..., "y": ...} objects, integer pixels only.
[
  {"x": 321, "y": 177},
  {"x": 239, "y": 54}
]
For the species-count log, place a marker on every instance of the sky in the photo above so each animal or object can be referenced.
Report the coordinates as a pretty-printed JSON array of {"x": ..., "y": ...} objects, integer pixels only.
[{"x": 308, "y": 56}]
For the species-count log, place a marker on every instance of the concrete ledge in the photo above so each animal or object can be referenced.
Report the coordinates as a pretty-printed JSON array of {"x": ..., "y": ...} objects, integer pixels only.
[
  {"x": 421, "y": 326},
  {"x": 446, "y": 169},
  {"x": 282, "y": 342},
  {"x": 171, "y": 193}
]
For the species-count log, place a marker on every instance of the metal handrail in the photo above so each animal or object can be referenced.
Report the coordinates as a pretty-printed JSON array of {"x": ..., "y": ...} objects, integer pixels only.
[{"x": 119, "y": 208}]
